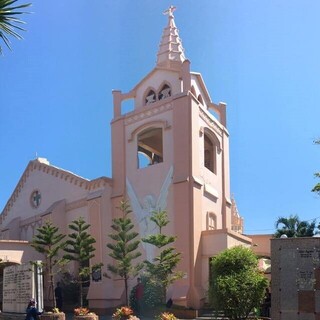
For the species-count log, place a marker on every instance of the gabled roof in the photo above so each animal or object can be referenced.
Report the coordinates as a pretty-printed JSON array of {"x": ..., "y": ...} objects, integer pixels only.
[
  {"x": 202, "y": 85},
  {"x": 148, "y": 76},
  {"x": 42, "y": 164}
]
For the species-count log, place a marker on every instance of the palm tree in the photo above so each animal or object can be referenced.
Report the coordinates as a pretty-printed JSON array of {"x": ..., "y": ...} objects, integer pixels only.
[
  {"x": 292, "y": 227},
  {"x": 306, "y": 229},
  {"x": 9, "y": 22},
  {"x": 316, "y": 188}
]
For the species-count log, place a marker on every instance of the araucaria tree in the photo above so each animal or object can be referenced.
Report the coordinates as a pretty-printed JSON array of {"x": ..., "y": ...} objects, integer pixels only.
[
  {"x": 79, "y": 248},
  {"x": 161, "y": 270},
  {"x": 9, "y": 21},
  {"x": 48, "y": 242},
  {"x": 236, "y": 286},
  {"x": 124, "y": 247}
]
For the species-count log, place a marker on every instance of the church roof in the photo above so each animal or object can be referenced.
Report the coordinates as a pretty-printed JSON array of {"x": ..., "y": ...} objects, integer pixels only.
[
  {"x": 170, "y": 49},
  {"x": 43, "y": 165}
]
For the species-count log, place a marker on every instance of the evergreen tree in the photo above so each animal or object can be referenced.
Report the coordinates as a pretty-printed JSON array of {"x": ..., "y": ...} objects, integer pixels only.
[
  {"x": 161, "y": 270},
  {"x": 48, "y": 242},
  {"x": 124, "y": 247},
  {"x": 80, "y": 249}
]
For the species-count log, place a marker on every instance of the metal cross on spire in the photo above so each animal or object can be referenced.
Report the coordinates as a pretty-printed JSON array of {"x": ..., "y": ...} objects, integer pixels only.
[{"x": 169, "y": 11}]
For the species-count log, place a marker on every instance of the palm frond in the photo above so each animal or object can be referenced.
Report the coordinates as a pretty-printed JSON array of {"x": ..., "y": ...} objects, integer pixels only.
[{"x": 9, "y": 21}]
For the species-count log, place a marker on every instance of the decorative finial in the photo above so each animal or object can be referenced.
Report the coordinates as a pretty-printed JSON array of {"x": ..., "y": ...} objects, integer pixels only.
[{"x": 169, "y": 11}]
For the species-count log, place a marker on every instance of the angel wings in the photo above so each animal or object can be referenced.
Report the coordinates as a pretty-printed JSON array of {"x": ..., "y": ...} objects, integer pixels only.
[{"x": 143, "y": 210}]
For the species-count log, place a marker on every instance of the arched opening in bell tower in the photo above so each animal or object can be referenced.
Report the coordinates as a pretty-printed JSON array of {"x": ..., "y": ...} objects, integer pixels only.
[{"x": 150, "y": 147}]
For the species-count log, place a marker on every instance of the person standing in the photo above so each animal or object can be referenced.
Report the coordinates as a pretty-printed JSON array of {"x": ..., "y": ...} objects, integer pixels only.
[
  {"x": 139, "y": 295},
  {"x": 266, "y": 304},
  {"x": 58, "y": 296},
  {"x": 32, "y": 311}
]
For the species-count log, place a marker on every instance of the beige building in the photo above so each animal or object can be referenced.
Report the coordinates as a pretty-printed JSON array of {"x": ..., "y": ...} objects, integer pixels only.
[{"x": 170, "y": 152}]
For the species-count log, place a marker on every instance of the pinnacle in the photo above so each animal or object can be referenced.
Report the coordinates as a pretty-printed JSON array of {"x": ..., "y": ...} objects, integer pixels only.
[{"x": 170, "y": 49}]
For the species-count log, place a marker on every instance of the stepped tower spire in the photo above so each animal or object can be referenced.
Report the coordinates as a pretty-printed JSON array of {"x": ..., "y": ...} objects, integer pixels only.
[{"x": 170, "y": 50}]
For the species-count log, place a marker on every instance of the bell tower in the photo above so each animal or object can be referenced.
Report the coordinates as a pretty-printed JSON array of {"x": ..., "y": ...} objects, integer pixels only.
[{"x": 172, "y": 152}]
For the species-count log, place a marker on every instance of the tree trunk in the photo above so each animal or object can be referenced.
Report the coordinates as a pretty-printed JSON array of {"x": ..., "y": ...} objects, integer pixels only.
[
  {"x": 126, "y": 289},
  {"x": 81, "y": 297}
]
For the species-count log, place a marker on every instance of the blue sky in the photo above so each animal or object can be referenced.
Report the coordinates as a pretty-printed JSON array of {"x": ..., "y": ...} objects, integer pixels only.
[{"x": 260, "y": 57}]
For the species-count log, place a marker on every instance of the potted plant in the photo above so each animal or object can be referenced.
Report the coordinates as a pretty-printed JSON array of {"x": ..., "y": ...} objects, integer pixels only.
[
  {"x": 184, "y": 313},
  {"x": 83, "y": 313},
  {"x": 54, "y": 314},
  {"x": 124, "y": 313},
  {"x": 166, "y": 316}
]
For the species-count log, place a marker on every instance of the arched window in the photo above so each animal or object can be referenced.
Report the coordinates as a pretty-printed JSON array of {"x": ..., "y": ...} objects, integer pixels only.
[
  {"x": 211, "y": 221},
  {"x": 150, "y": 97},
  {"x": 165, "y": 92},
  {"x": 150, "y": 147},
  {"x": 210, "y": 154}
]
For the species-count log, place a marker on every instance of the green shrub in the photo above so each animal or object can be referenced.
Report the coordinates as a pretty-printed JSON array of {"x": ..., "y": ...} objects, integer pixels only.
[{"x": 237, "y": 286}]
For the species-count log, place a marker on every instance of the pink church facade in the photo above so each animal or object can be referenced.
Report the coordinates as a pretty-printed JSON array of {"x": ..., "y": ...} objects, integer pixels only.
[{"x": 172, "y": 153}]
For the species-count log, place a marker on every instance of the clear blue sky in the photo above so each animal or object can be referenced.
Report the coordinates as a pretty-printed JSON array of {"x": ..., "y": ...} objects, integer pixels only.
[{"x": 260, "y": 57}]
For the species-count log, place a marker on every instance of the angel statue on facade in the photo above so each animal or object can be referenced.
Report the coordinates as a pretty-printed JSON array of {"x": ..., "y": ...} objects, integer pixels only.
[{"x": 143, "y": 210}]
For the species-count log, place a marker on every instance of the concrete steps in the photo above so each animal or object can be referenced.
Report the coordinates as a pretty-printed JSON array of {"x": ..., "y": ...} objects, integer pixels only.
[
  {"x": 219, "y": 315},
  {"x": 211, "y": 314}
]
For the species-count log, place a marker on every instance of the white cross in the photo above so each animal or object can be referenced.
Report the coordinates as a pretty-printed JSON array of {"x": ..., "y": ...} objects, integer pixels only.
[{"x": 169, "y": 11}]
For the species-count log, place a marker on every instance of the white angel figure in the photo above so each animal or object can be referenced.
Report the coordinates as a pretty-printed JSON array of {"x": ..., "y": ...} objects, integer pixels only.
[{"x": 143, "y": 210}]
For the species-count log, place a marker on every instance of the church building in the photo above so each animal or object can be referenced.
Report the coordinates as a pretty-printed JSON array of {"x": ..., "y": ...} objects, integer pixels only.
[{"x": 170, "y": 153}]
